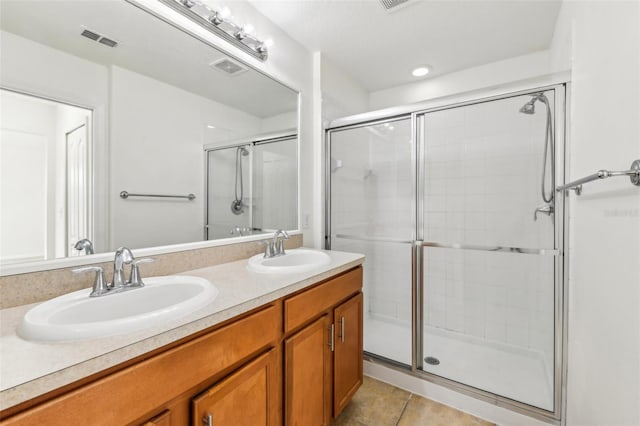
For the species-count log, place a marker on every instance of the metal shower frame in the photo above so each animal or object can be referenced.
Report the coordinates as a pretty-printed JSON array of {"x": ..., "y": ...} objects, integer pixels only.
[
  {"x": 561, "y": 239},
  {"x": 265, "y": 139}
]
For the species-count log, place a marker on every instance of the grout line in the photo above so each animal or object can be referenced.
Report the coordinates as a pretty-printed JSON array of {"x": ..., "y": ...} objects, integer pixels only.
[{"x": 404, "y": 408}]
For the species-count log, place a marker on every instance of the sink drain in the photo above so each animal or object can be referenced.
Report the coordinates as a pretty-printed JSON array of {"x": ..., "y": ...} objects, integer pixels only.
[{"x": 432, "y": 360}]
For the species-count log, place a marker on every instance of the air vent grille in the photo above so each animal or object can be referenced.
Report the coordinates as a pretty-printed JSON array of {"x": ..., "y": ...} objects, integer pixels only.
[
  {"x": 390, "y": 4},
  {"x": 92, "y": 35},
  {"x": 108, "y": 42},
  {"x": 228, "y": 66}
]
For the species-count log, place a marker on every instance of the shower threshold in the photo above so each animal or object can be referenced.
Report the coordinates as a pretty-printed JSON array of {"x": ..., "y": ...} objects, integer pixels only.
[{"x": 494, "y": 367}]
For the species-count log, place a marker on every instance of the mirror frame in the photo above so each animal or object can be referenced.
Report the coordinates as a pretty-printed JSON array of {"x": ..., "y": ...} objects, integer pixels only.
[{"x": 157, "y": 11}]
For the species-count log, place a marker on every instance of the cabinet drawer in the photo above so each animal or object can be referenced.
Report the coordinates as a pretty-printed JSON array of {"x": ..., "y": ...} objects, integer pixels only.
[
  {"x": 305, "y": 306},
  {"x": 134, "y": 391}
]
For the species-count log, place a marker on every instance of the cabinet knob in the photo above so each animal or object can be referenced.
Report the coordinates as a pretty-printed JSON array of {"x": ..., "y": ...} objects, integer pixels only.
[{"x": 207, "y": 420}]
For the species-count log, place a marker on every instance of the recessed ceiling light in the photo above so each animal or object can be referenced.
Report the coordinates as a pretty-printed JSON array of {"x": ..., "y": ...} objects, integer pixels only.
[
  {"x": 421, "y": 71},
  {"x": 210, "y": 126}
]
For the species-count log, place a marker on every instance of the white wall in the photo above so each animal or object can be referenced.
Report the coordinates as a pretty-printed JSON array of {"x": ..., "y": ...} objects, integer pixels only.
[
  {"x": 492, "y": 74},
  {"x": 280, "y": 122},
  {"x": 341, "y": 94},
  {"x": 604, "y": 252},
  {"x": 167, "y": 127}
]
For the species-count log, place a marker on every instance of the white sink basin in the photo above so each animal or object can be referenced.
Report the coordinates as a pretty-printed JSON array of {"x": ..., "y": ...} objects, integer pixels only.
[
  {"x": 296, "y": 260},
  {"x": 76, "y": 316}
]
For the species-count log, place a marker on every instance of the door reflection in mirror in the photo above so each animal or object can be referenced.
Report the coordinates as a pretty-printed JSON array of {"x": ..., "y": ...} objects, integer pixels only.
[{"x": 45, "y": 189}]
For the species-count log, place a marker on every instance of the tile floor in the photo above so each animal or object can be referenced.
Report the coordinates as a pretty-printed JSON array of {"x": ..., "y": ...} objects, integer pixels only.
[{"x": 379, "y": 404}]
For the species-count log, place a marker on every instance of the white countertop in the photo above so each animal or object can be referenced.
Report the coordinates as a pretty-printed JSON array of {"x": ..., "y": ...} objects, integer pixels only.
[{"x": 29, "y": 369}]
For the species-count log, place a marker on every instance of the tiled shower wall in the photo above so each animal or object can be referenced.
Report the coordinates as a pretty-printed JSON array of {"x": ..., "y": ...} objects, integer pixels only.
[
  {"x": 371, "y": 194},
  {"x": 482, "y": 180},
  {"x": 482, "y": 184}
]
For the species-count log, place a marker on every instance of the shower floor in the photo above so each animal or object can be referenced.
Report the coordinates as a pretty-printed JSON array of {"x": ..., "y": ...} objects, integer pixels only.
[{"x": 502, "y": 369}]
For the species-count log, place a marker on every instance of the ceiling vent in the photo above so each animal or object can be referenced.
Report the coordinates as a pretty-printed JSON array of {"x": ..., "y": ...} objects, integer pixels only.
[
  {"x": 228, "y": 66},
  {"x": 108, "y": 42},
  {"x": 92, "y": 35},
  {"x": 393, "y": 5}
]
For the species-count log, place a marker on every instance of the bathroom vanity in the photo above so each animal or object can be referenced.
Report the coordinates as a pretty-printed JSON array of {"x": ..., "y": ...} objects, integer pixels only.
[{"x": 289, "y": 351}]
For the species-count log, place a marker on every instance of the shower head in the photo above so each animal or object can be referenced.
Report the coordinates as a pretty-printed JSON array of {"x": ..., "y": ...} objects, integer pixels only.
[{"x": 529, "y": 107}]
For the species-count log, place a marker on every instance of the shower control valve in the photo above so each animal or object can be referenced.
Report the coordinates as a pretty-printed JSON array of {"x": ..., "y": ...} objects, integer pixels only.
[{"x": 547, "y": 209}]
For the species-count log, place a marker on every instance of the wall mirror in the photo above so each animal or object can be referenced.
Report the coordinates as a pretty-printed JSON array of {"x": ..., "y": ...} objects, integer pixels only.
[{"x": 104, "y": 104}]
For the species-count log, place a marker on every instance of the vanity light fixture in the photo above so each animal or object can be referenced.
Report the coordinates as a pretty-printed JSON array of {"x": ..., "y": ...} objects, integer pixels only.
[
  {"x": 421, "y": 71},
  {"x": 218, "y": 22}
]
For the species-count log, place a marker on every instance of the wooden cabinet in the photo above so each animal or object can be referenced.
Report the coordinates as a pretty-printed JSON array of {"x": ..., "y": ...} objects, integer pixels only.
[
  {"x": 163, "y": 419},
  {"x": 347, "y": 369},
  {"x": 232, "y": 372},
  {"x": 165, "y": 381},
  {"x": 246, "y": 398},
  {"x": 308, "y": 375},
  {"x": 323, "y": 359}
]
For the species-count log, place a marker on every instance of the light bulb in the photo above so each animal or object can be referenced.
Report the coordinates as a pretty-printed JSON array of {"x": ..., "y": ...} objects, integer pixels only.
[
  {"x": 420, "y": 71},
  {"x": 248, "y": 29},
  {"x": 268, "y": 42},
  {"x": 224, "y": 12}
]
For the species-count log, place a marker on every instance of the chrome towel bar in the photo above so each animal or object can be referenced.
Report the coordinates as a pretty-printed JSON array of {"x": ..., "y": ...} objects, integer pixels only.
[
  {"x": 124, "y": 195},
  {"x": 576, "y": 185}
]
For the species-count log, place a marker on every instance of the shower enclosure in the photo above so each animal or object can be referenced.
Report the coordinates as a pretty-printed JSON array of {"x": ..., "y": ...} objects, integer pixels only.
[
  {"x": 251, "y": 187},
  {"x": 454, "y": 208}
]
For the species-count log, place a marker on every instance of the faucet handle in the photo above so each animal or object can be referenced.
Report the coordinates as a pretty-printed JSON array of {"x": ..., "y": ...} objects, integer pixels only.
[
  {"x": 134, "y": 278},
  {"x": 99, "y": 285}
]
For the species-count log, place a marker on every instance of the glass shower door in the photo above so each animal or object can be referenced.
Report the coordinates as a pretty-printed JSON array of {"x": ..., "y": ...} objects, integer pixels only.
[
  {"x": 229, "y": 200},
  {"x": 488, "y": 263},
  {"x": 372, "y": 183}
]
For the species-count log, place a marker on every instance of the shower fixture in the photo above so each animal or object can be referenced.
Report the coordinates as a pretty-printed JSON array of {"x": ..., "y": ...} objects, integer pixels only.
[
  {"x": 84, "y": 245},
  {"x": 238, "y": 205},
  {"x": 529, "y": 108}
]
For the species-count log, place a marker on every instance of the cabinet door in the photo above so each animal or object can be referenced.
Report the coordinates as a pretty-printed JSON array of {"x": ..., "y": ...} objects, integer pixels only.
[
  {"x": 308, "y": 375},
  {"x": 347, "y": 370},
  {"x": 163, "y": 419},
  {"x": 249, "y": 397}
]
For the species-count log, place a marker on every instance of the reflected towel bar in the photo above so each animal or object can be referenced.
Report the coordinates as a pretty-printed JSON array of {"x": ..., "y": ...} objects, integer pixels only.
[
  {"x": 124, "y": 195},
  {"x": 576, "y": 185}
]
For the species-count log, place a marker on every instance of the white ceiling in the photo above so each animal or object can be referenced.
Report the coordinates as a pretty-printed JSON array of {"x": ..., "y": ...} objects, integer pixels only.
[
  {"x": 147, "y": 46},
  {"x": 379, "y": 48}
]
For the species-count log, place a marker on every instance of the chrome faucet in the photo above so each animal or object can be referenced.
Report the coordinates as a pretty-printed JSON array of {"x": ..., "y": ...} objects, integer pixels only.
[
  {"x": 123, "y": 256},
  {"x": 547, "y": 209},
  {"x": 275, "y": 247},
  {"x": 84, "y": 244},
  {"x": 278, "y": 242}
]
